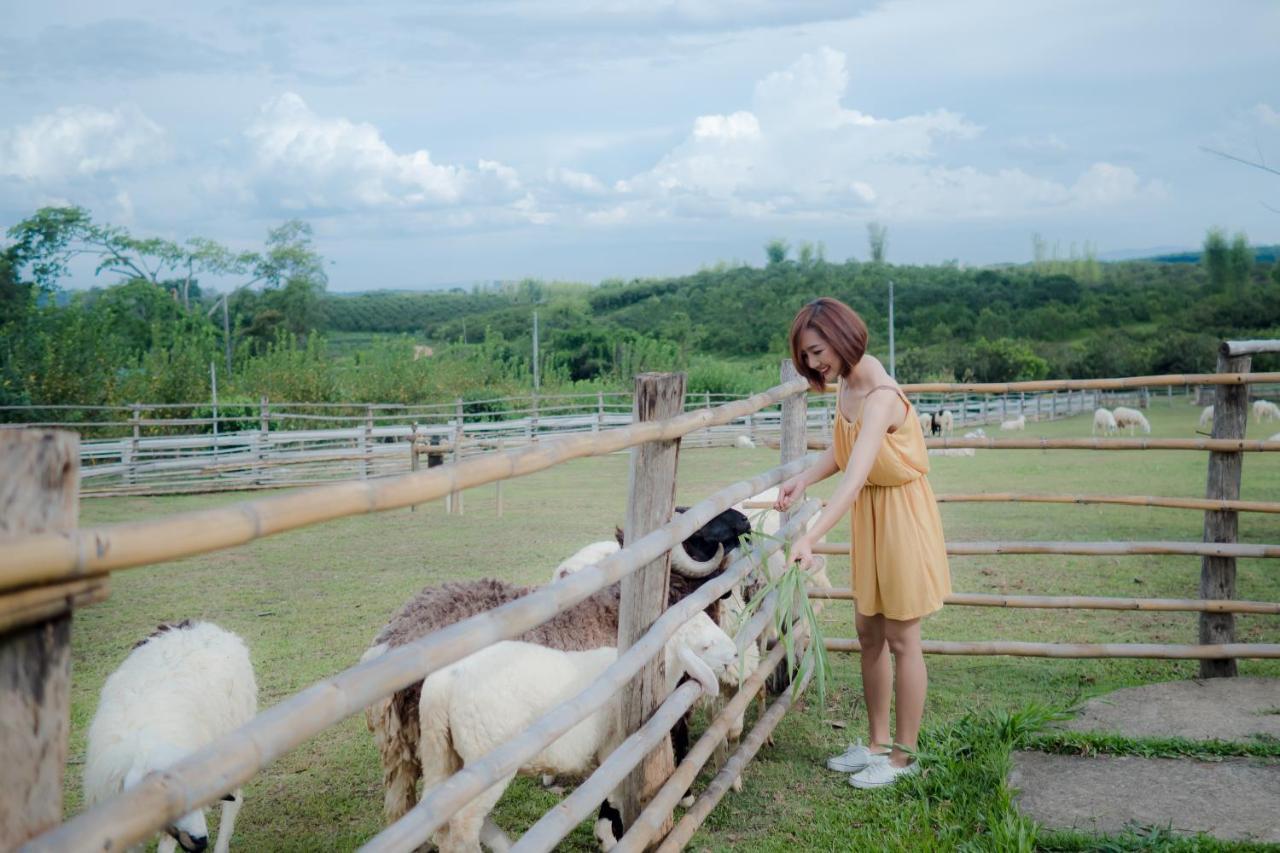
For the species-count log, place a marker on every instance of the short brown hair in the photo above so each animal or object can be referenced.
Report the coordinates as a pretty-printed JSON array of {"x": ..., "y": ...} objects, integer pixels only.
[{"x": 838, "y": 325}]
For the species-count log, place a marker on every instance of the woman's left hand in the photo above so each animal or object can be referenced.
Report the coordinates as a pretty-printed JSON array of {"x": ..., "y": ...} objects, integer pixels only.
[{"x": 802, "y": 553}]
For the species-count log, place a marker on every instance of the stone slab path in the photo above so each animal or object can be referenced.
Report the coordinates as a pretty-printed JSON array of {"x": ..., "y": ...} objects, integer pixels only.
[{"x": 1235, "y": 799}]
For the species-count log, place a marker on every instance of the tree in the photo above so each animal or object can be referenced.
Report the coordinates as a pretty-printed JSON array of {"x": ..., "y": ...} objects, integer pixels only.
[
  {"x": 1215, "y": 259},
  {"x": 878, "y": 240},
  {"x": 1239, "y": 264},
  {"x": 776, "y": 251}
]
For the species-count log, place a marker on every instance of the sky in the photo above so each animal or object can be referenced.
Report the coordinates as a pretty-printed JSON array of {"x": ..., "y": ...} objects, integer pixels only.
[{"x": 445, "y": 142}]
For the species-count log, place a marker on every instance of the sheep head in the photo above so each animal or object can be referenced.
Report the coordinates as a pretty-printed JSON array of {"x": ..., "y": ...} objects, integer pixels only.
[{"x": 703, "y": 553}]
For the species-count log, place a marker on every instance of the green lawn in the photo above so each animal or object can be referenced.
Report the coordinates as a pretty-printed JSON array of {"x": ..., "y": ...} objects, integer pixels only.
[{"x": 309, "y": 602}]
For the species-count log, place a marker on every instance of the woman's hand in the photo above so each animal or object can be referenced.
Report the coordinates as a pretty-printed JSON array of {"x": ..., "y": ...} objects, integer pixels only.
[
  {"x": 791, "y": 490},
  {"x": 802, "y": 552}
]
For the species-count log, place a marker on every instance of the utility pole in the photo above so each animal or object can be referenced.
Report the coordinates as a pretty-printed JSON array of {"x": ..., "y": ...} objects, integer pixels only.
[
  {"x": 892, "y": 363},
  {"x": 535, "y": 352}
]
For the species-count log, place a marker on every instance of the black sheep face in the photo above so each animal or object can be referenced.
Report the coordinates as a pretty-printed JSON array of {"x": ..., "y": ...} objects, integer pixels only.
[{"x": 721, "y": 531}]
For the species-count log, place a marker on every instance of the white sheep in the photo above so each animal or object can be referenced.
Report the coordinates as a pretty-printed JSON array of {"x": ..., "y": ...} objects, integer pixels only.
[
  {"x": 483, "y": 700},
  {"x": 587, "y": 555},
  {"x": 1103, "y": 421},
  {"x": 182, "y": 687},
  {"x": 948, "y": 421},
  {"x": 1206, "y": 416},
  {"x": 926, "y": 423},
  {"x": 744, "y": 442},
  {"x": 1265, "y": 410},
  {"x": 1131, "y": 419},
  {"x": 1018, "y": 423}
]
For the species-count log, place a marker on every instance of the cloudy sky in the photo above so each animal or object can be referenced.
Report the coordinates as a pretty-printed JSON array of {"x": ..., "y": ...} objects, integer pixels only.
[{"x": 433, "y": 142}]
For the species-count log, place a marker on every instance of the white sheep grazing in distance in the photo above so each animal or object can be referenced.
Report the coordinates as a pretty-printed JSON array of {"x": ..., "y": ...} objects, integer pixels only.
[
  {"x": 1103, "y": 421},
  {"x": 483, "y": 700},
  {"x": 744, "y": 442},
  {"x": 1265, "y": 410},
  {"x": 1206, "y": 416},
  {"x": 1018, "y": 423},
  {"x": 181, "y": 688},
  {"x": 948, "y": 421},
  {"x": 1131, "y": 419}
]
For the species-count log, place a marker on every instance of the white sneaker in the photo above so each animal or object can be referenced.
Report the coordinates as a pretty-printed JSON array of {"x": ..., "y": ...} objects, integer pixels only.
[
  {"x": 855, "y": 758},
  {"x": 882, "y": 773}
]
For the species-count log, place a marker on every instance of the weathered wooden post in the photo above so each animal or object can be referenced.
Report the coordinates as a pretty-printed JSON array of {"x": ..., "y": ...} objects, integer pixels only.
[
  {"x": 135, "y": 415},
  {"x": 650, "y": 503},
  {"x": 1218, "y": 574},
  {"x": 454, "y": 501},
  {"x": 366, "y": 444},
  {"x": 533, "y": 419},
  {"x": 264, "y": 438},
  {"x": 599, "y": 424},
  {"x": 793, "y": 445},
  {"x": 39, "y": 493},
  {"x": 413, "y": 455},
  {"x": 502, "y": 447}
]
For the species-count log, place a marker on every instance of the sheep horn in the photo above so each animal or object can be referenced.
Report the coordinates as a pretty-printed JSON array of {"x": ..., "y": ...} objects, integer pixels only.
[
  {"x": 683, "y": 564},
  {"x": 698, "y": 669}
]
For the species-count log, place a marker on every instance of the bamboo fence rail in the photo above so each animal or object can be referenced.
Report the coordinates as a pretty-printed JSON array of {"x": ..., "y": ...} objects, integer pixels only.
[
  {"x": 1262, "y": 651},
  {"x": 438, "y": 804},
  {"x": 1084, "y": 602},
  {"x": 232, "y": 760},
  {"x": 722, "y": 781},
  {"x": 87, "y": 551},
  {"x": 1091, "y": 384},
  {"x": 560, "y": 821},
  {"x": 1125, "y": 500},
  {"x": 1212, "y": 549}
]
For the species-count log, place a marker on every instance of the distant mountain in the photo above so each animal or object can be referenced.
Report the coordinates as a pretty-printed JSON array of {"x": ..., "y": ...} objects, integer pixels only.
[{"x": 1182, "y": 255}]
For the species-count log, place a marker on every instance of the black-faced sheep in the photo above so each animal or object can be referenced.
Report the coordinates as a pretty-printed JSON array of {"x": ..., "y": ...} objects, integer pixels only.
[
  {"x": 480, "y": 702},
  {"x": 590, "y": 624},
  {"x": 180, "y": 688}
]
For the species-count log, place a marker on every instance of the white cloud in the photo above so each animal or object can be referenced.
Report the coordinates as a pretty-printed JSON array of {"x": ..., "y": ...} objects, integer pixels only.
[
  {"x": 310, "y": 161},
  {"x": 800, "y": 152},
  {"x": 79, "y": 142}
]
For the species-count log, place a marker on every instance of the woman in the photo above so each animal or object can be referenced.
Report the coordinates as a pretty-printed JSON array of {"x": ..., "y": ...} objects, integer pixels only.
[{"x": 900, "y": 571}]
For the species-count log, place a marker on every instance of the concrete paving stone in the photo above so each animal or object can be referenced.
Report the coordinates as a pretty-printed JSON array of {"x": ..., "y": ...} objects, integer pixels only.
[
  {"x": 1236, "y": 799},
  {"x": 1234, "y": 709}
]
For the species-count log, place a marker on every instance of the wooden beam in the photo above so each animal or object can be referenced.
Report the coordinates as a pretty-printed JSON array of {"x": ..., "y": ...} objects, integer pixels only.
[
  {"x": 1084, "y": 650},
  {"x": 1231, "y": 349},
  {"x": 650, "y": 504},
  {"x": 39, "y": 491},
  {"x": 1223, "y": 549},
  {"x": 1211, "y": 444},
  {"x": 1123, "y": 500},
  {"x": 1240, "y": 378},
  {"x": 46, "y": 558},
  {"x": 1218, "y": 572},
  {"x": 1083, "y": 602}
]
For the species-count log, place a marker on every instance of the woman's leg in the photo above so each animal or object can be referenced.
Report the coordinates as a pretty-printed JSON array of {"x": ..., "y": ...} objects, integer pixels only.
[
  {"x": 877, "y": 677},
  {"x": 912, "y": 682}
]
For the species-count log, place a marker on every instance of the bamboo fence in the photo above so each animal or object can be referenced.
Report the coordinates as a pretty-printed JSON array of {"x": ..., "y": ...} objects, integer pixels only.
[
  {"x": 1084, "y": 602},
  {"x": 1099, "y": 549},
  {"x": 1124, "y": 500},
  {"x": 1157, "y": 651}
]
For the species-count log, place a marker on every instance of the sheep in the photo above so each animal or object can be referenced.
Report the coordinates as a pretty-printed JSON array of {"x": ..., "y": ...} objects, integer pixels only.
[
  {"x": 587, "y": 555},
  {"x": 744, "y": 442},
  {"x": 1131, "y": 419},
  {"x": 1018, "y": 423},
  {"x": 1103, "y": 421},
  {"x": 947, "y": 421},
  {"x": 926, "y": 423},
  {"x": 476, "y": 704},
  {"x": 1265, "y": 410},
  {"x": 590, "y": 624},
  {"x": 180, "y": 688},
  {"x": 1206, "y": 417}
]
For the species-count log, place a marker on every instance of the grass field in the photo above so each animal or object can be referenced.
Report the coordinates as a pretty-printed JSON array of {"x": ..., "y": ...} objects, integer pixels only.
[{"x": 308, "y": 603}]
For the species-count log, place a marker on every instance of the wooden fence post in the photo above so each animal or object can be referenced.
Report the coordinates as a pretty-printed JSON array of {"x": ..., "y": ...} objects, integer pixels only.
[
  {"x": 1218, "y": 574},
  {"x": 39, "y": 493},
  {"x": 455, "y": 499},
  {"x": 599, "y": 424},
  {"x": 366, "y": 444},
  {"x": 533, "y": 419},
  {"x": 650, "y": 503},
  {"x": 413, "y": 455},
  {"x": 264, "y": 438},
  {"x": 135, "y": 414}
]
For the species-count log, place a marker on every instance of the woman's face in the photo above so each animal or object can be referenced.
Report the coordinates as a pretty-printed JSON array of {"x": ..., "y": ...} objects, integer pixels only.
[{"x": 819, "y": 356}]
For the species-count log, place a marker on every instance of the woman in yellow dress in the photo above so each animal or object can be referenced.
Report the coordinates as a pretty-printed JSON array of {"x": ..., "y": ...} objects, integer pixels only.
[{"x": 900, "y": 571}]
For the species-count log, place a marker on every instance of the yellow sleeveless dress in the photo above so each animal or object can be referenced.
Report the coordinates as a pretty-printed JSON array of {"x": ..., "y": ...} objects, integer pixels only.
[{"x": 900, "y": 564}]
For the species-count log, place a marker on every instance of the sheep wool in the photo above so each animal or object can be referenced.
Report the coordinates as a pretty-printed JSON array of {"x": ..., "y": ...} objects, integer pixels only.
[{"x": 182, "y": 687}]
